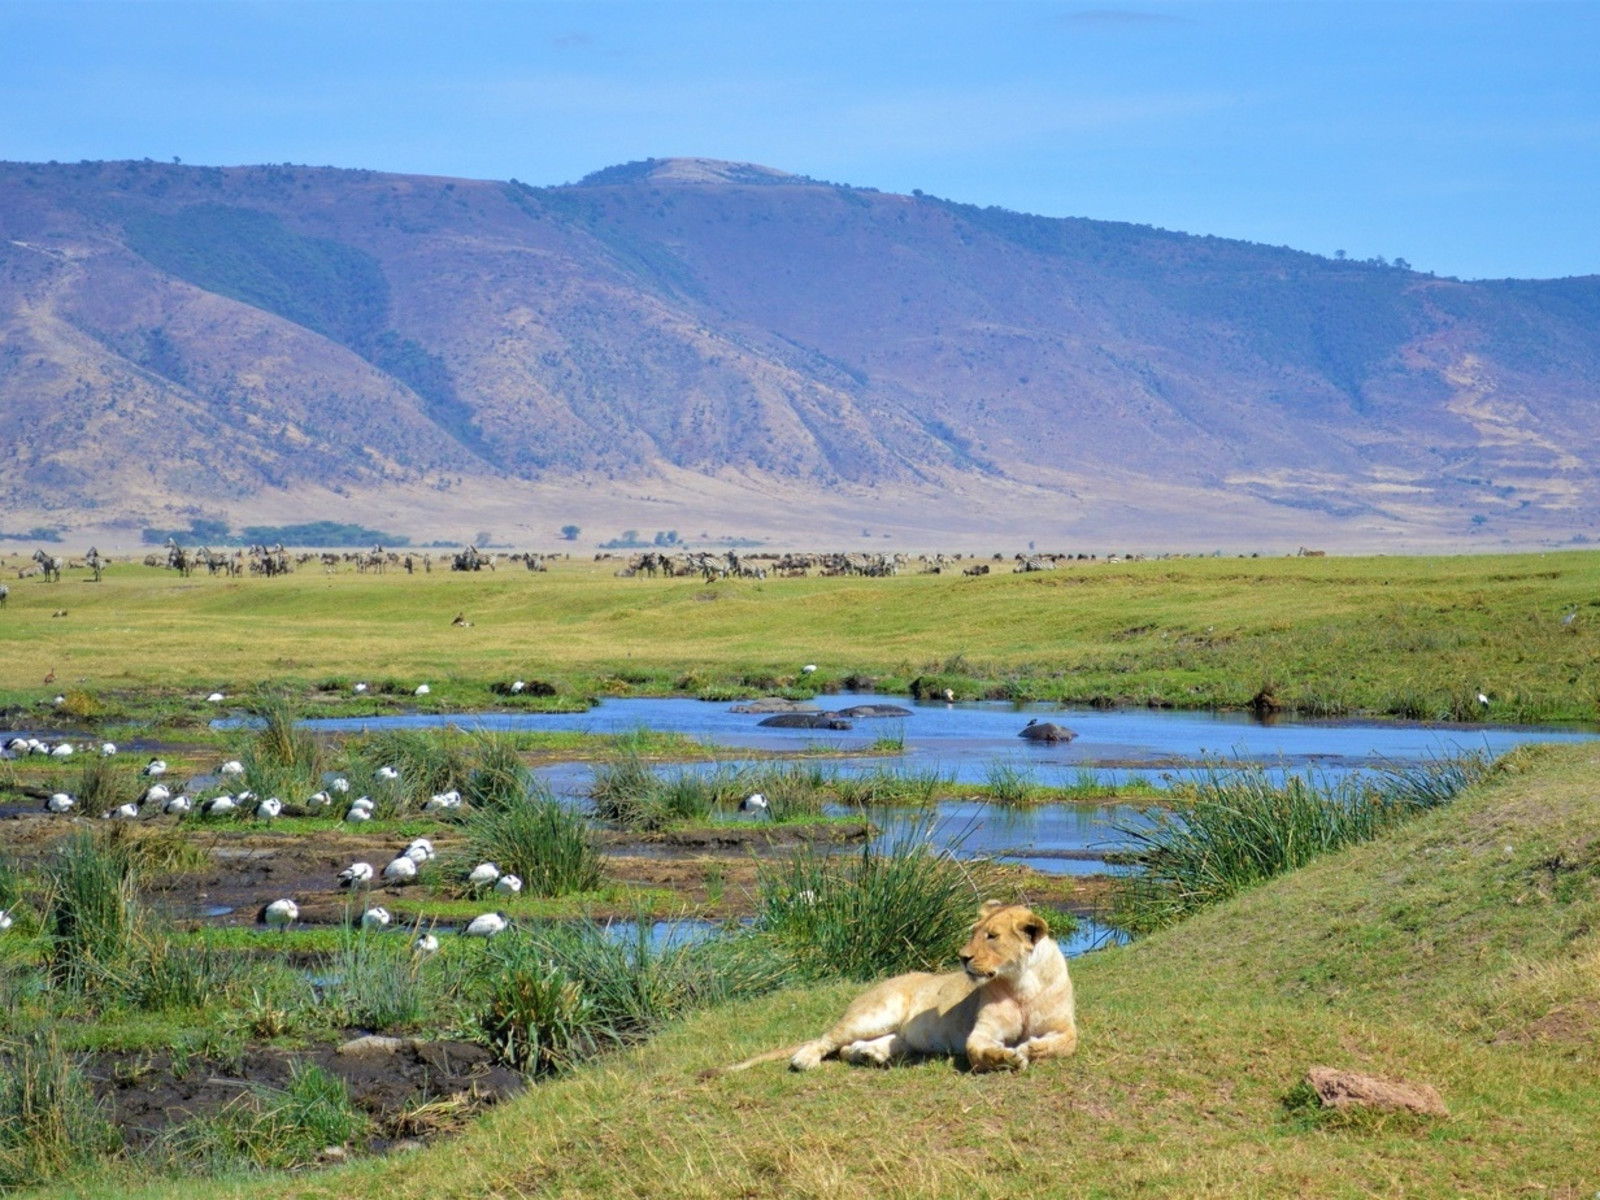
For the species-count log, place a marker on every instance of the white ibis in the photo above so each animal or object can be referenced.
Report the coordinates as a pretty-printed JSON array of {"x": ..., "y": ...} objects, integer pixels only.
[
  {"x": 60, "y": 803},
  {"x": 483, "y": 875},
  {"x": 231, "y": 769},
  {"x": 356, "y": 874},
  {"x": 508, "y": 885},
  {"x": 401, "y": 870},
  {"x": 486, "y": 926},
  {"x": 281, "y": 914},
  {"x": 375, "y": 918},
  {"x": 425, "y": 945}
]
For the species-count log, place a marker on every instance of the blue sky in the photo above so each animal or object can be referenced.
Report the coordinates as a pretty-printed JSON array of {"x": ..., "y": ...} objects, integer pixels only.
[{"x": 1464, "y": 137}]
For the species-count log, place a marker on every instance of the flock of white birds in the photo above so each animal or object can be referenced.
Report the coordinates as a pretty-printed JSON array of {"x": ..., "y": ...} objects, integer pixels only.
[{"x": 158, "y": 798}]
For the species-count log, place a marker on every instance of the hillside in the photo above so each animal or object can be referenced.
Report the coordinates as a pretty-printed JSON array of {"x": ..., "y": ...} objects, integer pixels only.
[
  {"x": 1460, "y": 952},
  {"x": 726, "y": 349}
]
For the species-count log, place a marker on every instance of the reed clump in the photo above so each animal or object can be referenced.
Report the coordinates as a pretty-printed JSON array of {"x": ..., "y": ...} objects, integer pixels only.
[
  {"x": 540, "y": 840},
  {"x": 905, "y": 907},
  {"x": 1244, "y": 827}
]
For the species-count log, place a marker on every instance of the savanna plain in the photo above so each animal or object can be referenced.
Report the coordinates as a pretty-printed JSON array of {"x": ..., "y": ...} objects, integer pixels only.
[{"x": 1434, "y": 926}]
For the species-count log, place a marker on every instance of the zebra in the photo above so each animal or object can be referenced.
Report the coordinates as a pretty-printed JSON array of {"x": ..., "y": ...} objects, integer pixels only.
[
  {"x": 95, "y": 562},
  {"x": 4, "y": 592},
  {"x": 50, "y": 564}
]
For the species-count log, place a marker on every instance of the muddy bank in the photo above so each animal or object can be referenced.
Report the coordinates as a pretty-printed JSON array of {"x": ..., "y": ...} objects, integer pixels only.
[{"x": 415, "y": 1091}]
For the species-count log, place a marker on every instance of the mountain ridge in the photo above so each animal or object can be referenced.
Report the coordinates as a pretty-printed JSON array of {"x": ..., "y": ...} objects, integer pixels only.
[{"x": 377, "y": 341}]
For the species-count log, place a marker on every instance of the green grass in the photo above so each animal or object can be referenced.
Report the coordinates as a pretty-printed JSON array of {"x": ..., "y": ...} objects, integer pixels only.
[
  {"x": 872, "y": 913},
  {"x": 49, "y": 1119},
  {"x": 1336, "y": 635},
  {"x": 543, "y": 843},
  {"x": 1242, "y": 828}
]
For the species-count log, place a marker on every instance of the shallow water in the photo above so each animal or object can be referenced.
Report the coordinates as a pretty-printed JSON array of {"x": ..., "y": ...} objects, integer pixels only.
[{"x": 963, "y": 740}]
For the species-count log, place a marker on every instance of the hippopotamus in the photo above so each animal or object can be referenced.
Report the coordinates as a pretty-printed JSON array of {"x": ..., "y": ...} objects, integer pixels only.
[
  {"x": 1047, "y": 731},
  {"x": 807, "y": 721},
  {"x": 874, "y": 710}
]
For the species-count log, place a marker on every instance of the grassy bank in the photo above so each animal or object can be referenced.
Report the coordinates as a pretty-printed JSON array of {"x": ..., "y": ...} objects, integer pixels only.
[
  {"x": 1460, "y": 951},
  {"x": 1414, "y": 637}
]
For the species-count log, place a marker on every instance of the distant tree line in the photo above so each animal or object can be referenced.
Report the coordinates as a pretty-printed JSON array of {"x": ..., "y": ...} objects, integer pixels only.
[{"x": 310, "y": 533}]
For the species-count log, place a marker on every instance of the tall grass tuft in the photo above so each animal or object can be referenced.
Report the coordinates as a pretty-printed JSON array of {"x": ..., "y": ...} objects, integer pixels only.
[
  {"x": 165, "y": 975},
  {"x": 50, "y": 1121},
  {"x": 497, "y": 778},
  {"x": 540, "y": 840},
  {"x": 883, "y": 785},
  {"x": 280, "y": 757},
  {"x": 90, "y": 914},
  {"x": 1243, "y": 828},
  {"x": 381, "y": 985},
  {"x": 623, "y": 790},
  {"x": 428, "y": 762},
  {"x": 1012, "y": 782},
  {"x": 880, "y": 912},
  {"x": 562, "y": 992},
  {"x": 106, "y": 783},
  {"x": 267, "y": 1128}
]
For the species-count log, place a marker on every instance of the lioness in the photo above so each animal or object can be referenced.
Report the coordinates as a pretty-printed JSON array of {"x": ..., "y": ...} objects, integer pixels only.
[{"x": 1010, "y": 1004}]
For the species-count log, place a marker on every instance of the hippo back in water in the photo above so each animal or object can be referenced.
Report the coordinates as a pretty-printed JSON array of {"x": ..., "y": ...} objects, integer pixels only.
[
  {"x": 1047, "y": 731},
  {"x": 807, "y": 721}
]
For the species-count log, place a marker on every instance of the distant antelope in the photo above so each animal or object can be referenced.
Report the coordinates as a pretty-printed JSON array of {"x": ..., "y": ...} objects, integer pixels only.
[{"x": 1304, "y": 553}]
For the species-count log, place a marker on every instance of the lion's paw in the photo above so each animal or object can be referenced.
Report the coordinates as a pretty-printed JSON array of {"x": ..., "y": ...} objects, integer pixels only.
[
  {"x": 865, "y": 1054},
  {"x": 806, "y": 1058}
]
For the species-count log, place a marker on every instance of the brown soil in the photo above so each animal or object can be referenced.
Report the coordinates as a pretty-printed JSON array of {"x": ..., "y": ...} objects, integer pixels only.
[{"x": 421, "y": 1090}]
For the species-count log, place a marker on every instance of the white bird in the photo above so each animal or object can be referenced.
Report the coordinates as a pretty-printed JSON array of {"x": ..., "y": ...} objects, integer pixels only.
[
  {"x": 365, "y": 802},
  {"x": 375, "y": 918},
  {"x": 245, "y": 797},
  {"x": 420, "y": 851},
  {"x": 483, "y": 875},
  {"x": 269, "y": 809},
  {"x": 318, "y": 800},
  {"x": 388, "y": 773},
  {"x": 1570, "y": 617},
  {"x": 425, "y": 944},
  {"x": 35, "y": 746},
  {"x": 1483, "y": 700},
  {"x": 401, "y": 870},
  {"x": 60, "y": 803},
  {"x": 157, "y": 793},
  {"x": 62, "y": 750},
  {"x": 358, "y": 814},
  {"x": 340, "y": 785},
  {"x": 18, "y": 745},
  {"x": 754, "y": 802},
  {"x": 949, "y": 696},
  {"x": 436, "y": 804},
  {"x": 216, "y": 698},
  {"x": 355, "y": 874},
  {"x": 486, "y": 926},
  {"x": 177, "y": 806},
  {"x": 155, "y": 766},
  {"x": 124, "y": 812},
  {"x": 5, "y": 919},
  {"x": 359, "y": 688},
  {"x": 59, "y": 700},
  {"x": 231, "y": 768},
  {"x": 108, "y": 748},
  {"x": 508, "y": 885},
  {"x": 282, "y": 913},
  {"x": 809, "y": 669},
  {"x": 518, "y": 686},
  {"x": 422, "y": 690},
  {"x": 219, "y": 806}
]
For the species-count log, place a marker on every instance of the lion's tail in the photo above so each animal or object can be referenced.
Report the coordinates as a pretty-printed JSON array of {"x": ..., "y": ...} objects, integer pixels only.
[{"x": 769, "y": 1056}]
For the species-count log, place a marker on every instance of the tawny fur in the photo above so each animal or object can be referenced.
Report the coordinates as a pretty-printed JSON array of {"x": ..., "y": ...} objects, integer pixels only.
[{"x": 1010, "y": 1005}]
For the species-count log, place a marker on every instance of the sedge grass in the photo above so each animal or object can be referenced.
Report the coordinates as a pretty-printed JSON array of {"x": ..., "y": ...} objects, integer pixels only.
[
  {"x": 539, "y": 840},
  {"x": 1243, "y": 827},
  {"x": 50, "y": 1121}
]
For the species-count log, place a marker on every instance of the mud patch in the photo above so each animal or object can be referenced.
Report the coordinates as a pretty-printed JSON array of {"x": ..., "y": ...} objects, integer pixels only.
[{"x": 421, "y": 1090}]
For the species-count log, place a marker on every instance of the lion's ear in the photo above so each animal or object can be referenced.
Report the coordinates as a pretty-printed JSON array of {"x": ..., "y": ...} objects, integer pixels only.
[
  {"x": 989, "y": 908},
  {"x": 1035, "y": 928}
]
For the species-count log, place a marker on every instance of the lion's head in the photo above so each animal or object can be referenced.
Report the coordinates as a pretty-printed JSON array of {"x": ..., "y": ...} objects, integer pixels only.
[{"x": 1002, "y": 941}]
